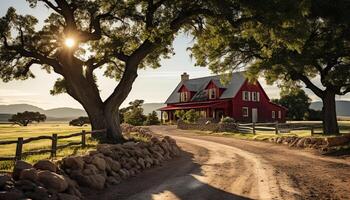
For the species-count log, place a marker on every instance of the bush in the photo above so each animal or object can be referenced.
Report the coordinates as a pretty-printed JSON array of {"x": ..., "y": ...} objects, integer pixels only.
[
  {"x": 152, "y": 119},
  {"x": 135, "y": 117},
  {"x": 227, "y": 120},
  {"x": 180, "y": 114},
  {"x": 79, "y": 121},
  {"x": 191, "y": 116}
]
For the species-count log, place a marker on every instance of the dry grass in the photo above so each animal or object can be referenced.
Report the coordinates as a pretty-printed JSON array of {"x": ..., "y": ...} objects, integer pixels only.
[{"x": 12, "y": 132}]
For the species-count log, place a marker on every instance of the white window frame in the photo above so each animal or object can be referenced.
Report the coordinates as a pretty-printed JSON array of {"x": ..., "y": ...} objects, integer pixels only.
[
  {"x": 243, "y": 113},
  {"x": 258, "y": 96},
  {"x": 279, "y": 114},
  {"x": 273, "y": 114},
  {"x": 184, "y": 97},
  {"x": 246, "y": 96},
  {"x": 211, "y": 92}
]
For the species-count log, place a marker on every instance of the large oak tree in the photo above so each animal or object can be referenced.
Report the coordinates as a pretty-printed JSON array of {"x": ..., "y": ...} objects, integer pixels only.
[
  {"x": 81, "y": 36},
  {"x": 287, "y": 41}
]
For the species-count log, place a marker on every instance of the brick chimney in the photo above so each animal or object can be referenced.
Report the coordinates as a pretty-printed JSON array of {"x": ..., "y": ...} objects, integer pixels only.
[{"x": 185, "y": 77}]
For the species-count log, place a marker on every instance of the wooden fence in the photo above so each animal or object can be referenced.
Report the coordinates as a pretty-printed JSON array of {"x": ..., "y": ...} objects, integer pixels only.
[
  {"x": 277, "y": 128},
  {"x": 54, "y": 147}
]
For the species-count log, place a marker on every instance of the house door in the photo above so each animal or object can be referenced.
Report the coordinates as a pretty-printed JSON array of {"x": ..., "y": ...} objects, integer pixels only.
[{"x": 254, "y": 115}]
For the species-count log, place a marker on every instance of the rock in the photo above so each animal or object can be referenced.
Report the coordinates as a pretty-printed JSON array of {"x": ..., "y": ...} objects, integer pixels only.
[
  {"x": 74, "y": 162},
  {"x": 141, "y": 161},
  {"x": 52, "y": 181},
  {"x": 100, "y": 163},
  {"x": 64, "y": 196},
  {"x": 25, "y": 185},
  {"x": 112, "y": 180},
  {"x": 19, "y": 166},
  {"x": 114, "y": 165},
  {"x": 90, "y": 169},
  {"x": 46, "y": 165},
  {"x": 11, "y": 195},
  {"x": 4, "y": 179},
  {"x": 96, "y": 181},
  {"x": 29, "y": 174},
  {"x": 40, "y": 193},
  {"x": 337, "y": 141}
]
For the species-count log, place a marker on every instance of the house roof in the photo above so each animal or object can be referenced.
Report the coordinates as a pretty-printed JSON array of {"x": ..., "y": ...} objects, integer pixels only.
[{"x": 198, "y": 85}]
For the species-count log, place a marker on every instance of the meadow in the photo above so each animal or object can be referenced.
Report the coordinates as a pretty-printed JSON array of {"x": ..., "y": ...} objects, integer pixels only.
[{"x": 12, "y": 132}]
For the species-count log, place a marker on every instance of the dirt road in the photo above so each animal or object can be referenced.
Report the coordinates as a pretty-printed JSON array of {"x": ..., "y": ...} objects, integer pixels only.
[{"x": 225, "y": 168}]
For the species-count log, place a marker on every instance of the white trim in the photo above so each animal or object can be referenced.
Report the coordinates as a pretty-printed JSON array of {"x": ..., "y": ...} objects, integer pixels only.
[
  {"x": 273, "y": 114},
  {"x": 279, "y": 114},
  {"x": 258, "y": 96}
]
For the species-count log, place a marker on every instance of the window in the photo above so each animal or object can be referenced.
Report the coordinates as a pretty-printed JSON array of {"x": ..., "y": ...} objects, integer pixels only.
[
  {"x": 279, "y": 114},
  {"x": 246, "y": 96},
  {"x": 255, "y": 96},
  {"x": 184, "y": 96},
  {"x": 212, "y": 93},
  {"x": 245, "y": 112},
  {"x": 273, "y": 114}
]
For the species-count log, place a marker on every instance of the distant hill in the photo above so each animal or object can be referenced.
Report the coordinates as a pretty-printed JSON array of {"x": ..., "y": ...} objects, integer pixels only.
[
  {"x": 60, "y": 114},
  {"x": 343, "y": 107},
  {"x": 56, "y": 114}
]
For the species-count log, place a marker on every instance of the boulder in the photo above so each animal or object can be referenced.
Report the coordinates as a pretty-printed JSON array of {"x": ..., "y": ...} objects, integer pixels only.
[
  {"x": 39, "y": 193},
  {"x": 25, "y": 185},
  {"x": 19, "y": 166},
  {"x": 29, "y": 174},
  {"x": 52, "y": 181},
  {"x": 100, "y": 163},
  {"x": 74, "y": 162},
  {"x": 337, "y": 141},
  {"x": 90, "y": 169},
  {"x": 114, "y": 165},
  {"x": 46, "y": 165},
  {"x": 96, "y": 181}
]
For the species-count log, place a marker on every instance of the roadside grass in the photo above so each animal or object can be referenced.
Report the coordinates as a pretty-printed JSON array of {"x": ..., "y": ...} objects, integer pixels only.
[
  {"x": 12, "y": 132},
  {"x": 265, "y": 135}
]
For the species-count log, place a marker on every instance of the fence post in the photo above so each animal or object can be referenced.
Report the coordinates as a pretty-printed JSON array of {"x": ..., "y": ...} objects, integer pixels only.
[
  {"x": 254, "y": 128},
  {"x": 19, "y": 148},
  {"x": 312, "y": 131},
  {"x": 83, "y": 139},
  {"x": 276, "y": 128},
  {"x": 54, "y": 145}
]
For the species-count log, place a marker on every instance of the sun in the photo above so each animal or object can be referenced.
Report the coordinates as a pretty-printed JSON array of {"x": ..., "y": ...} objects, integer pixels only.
[{"x": 69, "y": 42}]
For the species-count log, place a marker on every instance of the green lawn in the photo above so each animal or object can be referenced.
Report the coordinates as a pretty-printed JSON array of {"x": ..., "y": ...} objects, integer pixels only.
[{"x": 12, "y": 132}]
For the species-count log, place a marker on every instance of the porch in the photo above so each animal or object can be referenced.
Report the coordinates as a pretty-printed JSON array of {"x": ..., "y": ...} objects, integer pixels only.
[{"x": 205, "y": 110}]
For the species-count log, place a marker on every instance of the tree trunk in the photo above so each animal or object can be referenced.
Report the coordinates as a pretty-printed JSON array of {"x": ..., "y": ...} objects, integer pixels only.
[
  {"x": 330, "y": 123},
  {"x": 105, "y": 119}
]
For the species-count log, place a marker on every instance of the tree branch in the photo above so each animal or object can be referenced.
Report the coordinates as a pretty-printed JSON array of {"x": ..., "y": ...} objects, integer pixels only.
[{"x": 308, "y": 83}]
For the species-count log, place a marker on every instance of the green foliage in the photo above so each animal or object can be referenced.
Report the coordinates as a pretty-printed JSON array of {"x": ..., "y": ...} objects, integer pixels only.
[
  {"x": 314, "y": 115},
  {"x": 25, "y": 118},
  {"x": 192, "y": 116},
  {"x": 80, "y": 121},
  {"x": 227, "y": 120},
  {"x": 133, "y": 114},
  {"x": 152, "y": 119},
  {"x": 180, "y": 114},
  {"x": 297, "y": 103}
]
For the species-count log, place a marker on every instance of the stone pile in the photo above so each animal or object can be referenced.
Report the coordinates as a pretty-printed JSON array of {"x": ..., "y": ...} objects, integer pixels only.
[
  {"x": 323, "y": 144},
  {"x": 108, "y": 165},
  {"x": 41, "y": 181}
]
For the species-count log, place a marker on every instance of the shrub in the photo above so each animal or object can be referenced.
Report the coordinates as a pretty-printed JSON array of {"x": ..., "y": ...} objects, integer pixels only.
[
  {"x": 135, "y": 117},
  {"x": 191, "y": 116},
  {"x": 227, "y": 120},
  {"x": 80, "y": 121},
  {"x": 180, "y": 114},
  {"x": 152, "y": 119}
]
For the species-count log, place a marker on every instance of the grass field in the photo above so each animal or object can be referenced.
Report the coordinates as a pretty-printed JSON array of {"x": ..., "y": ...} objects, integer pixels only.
[{"x": 12, "y": 132}]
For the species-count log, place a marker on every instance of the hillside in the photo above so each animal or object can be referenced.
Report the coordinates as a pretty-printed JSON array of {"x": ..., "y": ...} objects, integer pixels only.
[
  {"x": 343, "y": 107},
  {"x": 59, "y": 114}
]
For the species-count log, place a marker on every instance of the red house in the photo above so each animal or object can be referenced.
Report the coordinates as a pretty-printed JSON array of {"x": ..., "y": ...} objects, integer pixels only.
[{"x": 239, "y": 99}]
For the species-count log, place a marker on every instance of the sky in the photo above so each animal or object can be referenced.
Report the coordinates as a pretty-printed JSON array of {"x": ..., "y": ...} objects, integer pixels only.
[{"x": 151, "y": 85}]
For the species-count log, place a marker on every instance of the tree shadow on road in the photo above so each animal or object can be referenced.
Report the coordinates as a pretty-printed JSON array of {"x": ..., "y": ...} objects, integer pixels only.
[{"x": 174, "y": 179}]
